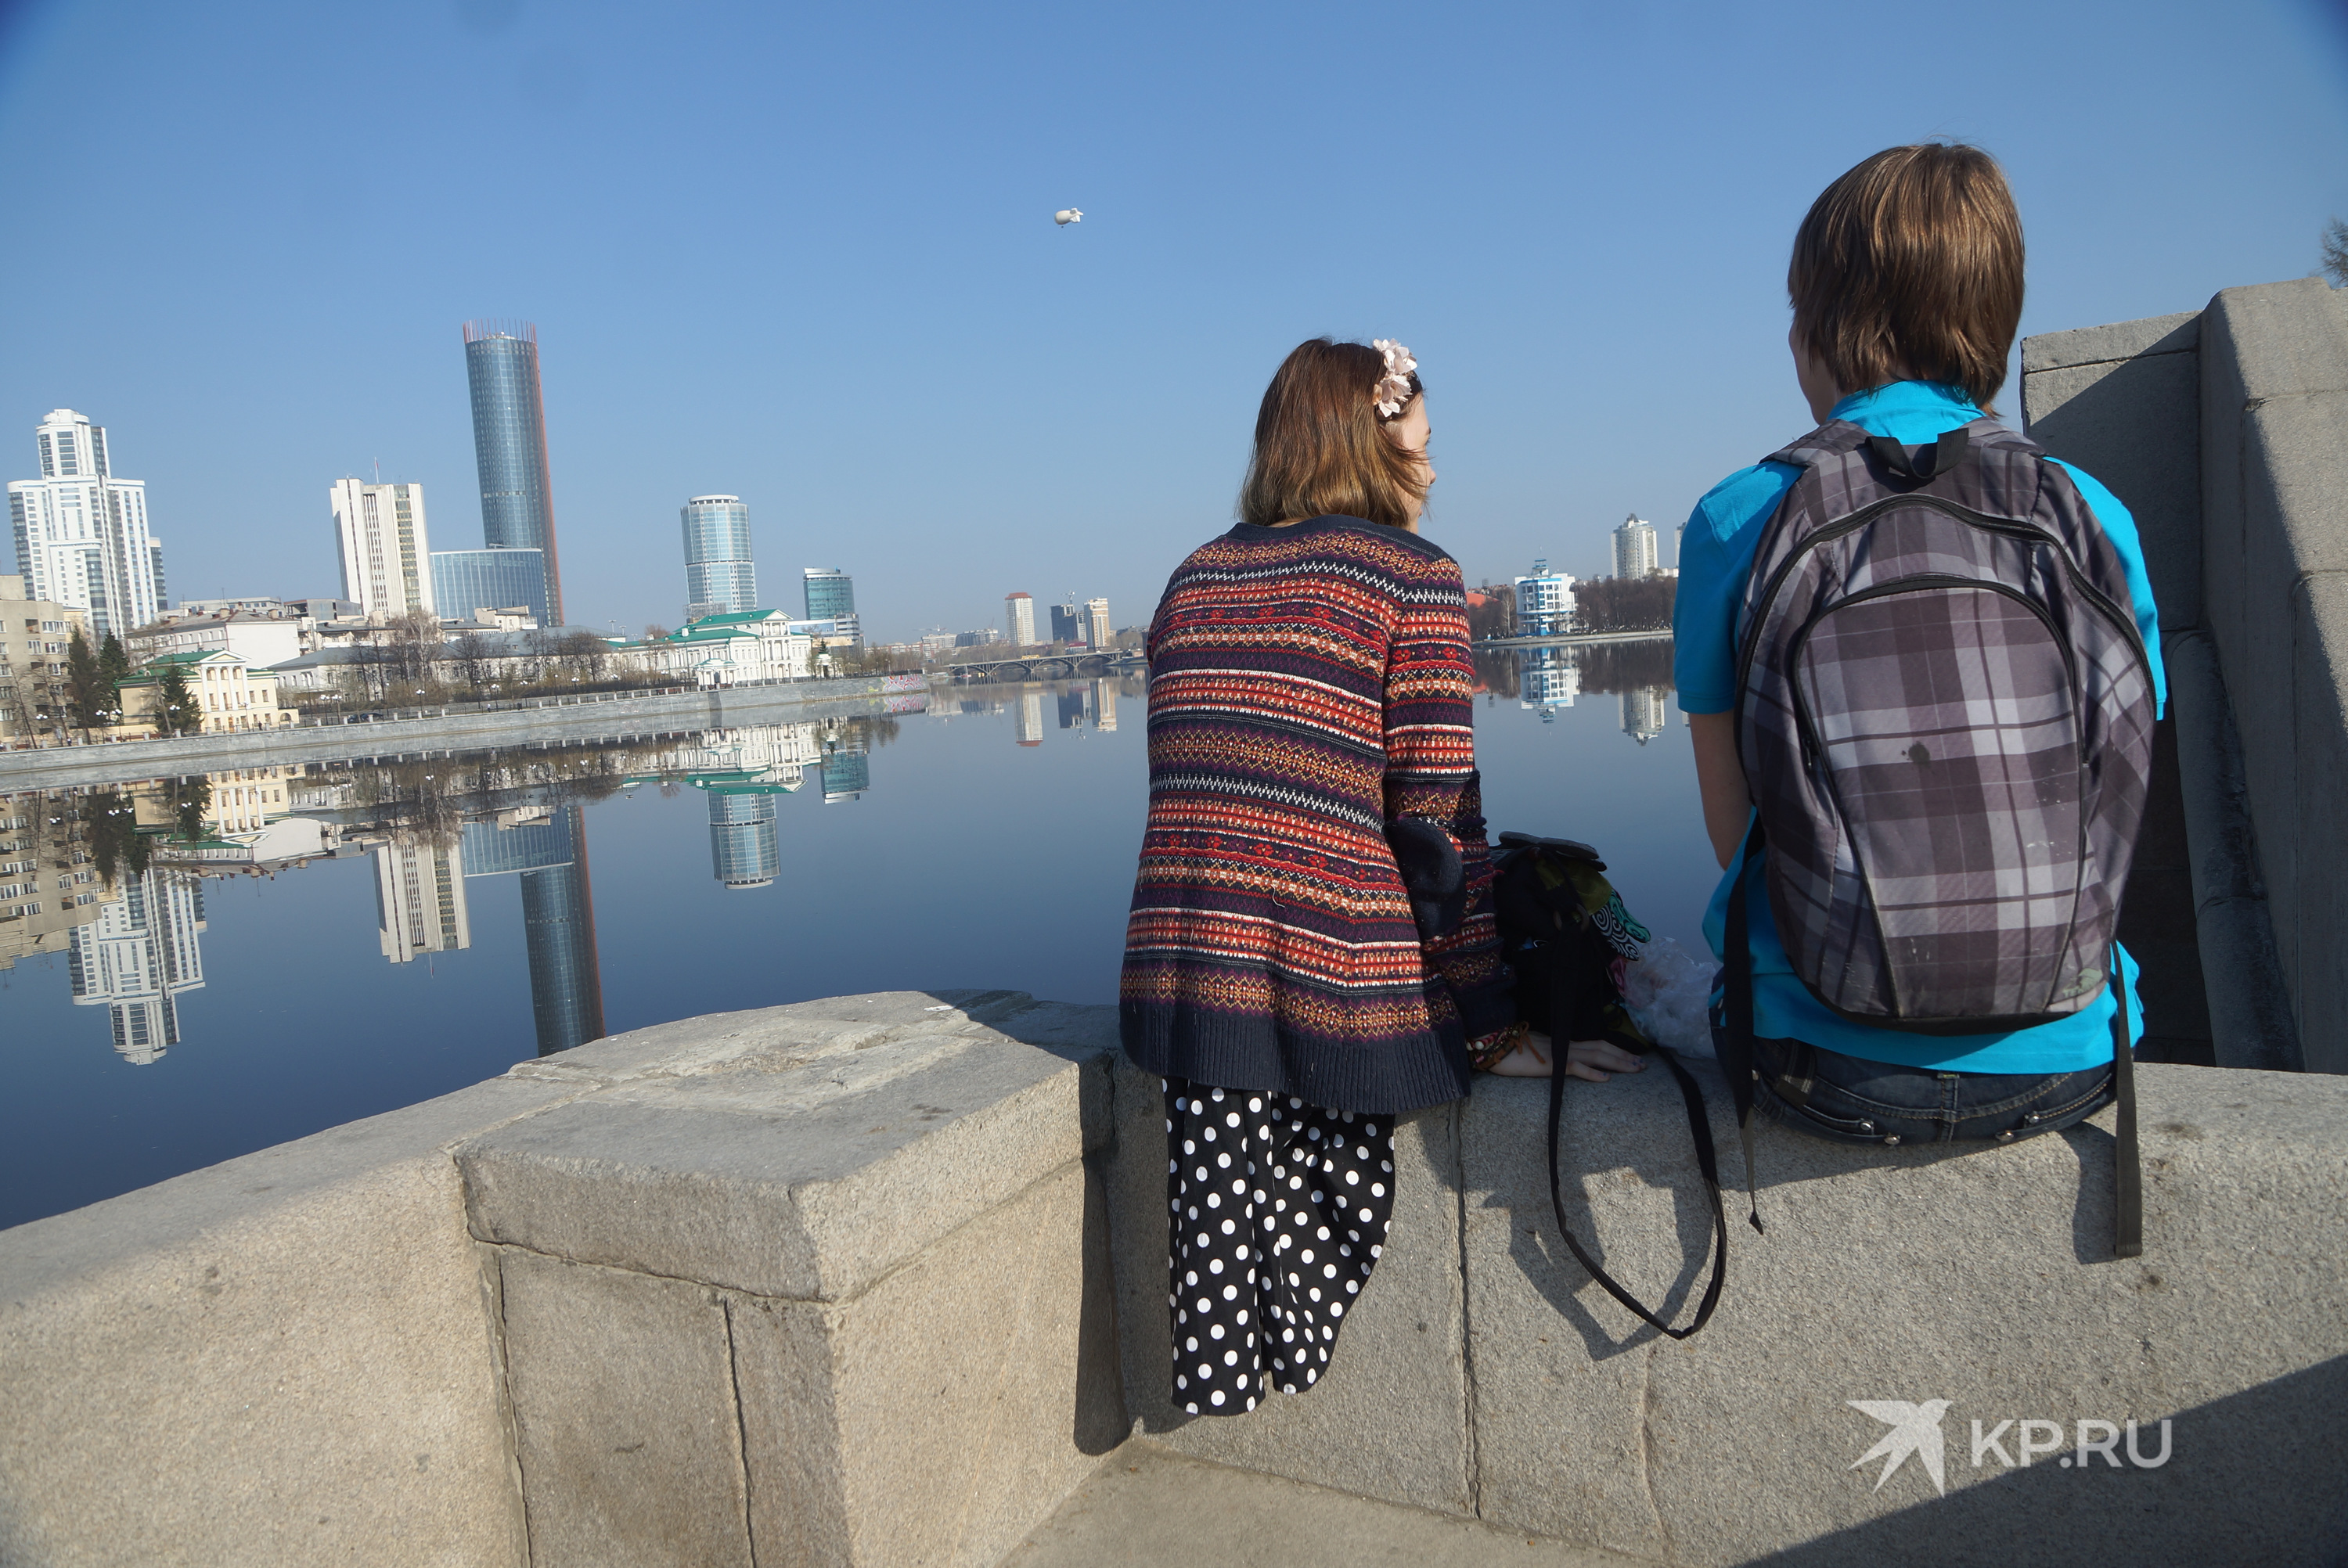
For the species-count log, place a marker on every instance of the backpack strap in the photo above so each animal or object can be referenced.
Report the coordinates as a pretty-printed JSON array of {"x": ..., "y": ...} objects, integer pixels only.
[
  {"x": 1707, "y": 1160},
  {"x": 1735, "y": 1041},
  {"x": 2127, "y": 1168}
]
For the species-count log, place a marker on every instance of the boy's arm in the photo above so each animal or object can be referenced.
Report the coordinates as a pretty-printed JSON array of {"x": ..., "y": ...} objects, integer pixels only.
[{"x": 1720, "y": 779}]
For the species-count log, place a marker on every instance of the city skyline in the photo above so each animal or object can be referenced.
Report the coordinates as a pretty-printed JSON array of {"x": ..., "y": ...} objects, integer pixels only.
[{"x": 975, "y": 376}]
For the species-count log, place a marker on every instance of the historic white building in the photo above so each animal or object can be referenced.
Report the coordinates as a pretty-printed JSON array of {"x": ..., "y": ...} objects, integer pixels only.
[
  {"x": 387, "y": 558},
  {"x": 81, "y": 533}
]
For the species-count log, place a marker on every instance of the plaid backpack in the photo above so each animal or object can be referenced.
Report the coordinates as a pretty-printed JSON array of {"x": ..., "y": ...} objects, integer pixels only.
[{"x": 1945, "y": 711}]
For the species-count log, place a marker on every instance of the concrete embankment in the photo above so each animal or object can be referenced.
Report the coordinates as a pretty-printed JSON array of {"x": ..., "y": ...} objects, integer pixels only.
[
  {"x": 878, "y": 1279},
  {"x": 615, "y": 717}
]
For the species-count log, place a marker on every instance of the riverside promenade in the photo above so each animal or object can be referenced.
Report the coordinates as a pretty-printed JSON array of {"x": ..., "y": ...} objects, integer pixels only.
[{"x": 881, "y": 1279}]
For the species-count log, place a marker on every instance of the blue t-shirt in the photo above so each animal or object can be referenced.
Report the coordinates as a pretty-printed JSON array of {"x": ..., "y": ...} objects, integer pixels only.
[{"x": 1716, "y": 557}]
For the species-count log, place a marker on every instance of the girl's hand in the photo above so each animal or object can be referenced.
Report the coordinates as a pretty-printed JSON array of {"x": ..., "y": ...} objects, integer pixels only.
[{"x": 1591, "y": 1060}]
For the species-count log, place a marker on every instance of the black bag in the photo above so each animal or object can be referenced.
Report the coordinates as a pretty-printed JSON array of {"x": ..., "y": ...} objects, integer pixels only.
[{"x": 1564, "y": 931}]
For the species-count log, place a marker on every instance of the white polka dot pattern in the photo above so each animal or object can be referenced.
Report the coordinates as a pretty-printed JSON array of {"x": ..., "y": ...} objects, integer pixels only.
[{"x": 1277, "y": 1212}]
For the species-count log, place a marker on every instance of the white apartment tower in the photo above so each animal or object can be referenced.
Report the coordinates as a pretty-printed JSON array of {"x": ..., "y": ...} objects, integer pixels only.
[
  {"x": 1019, "y": 620},
  {"x": 387, "y": 558},
  {"x": 1099, "y": 633},
  {"x": 1635, "y": 547},
  {"x": 81, "y": 533},
  {"x": 139, "y": 957}
]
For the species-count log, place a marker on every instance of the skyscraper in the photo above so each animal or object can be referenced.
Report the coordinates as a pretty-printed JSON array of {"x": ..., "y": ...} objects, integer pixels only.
[
  {"x": 1019, "y": 619},
  {"x": 1068, "y": 623},
  {"x": 379, "y": 534},
  {"x": 81, "y": 533},
  {"x": 830, "y": 593},
  {"x": 1635, "y": 549},
  {"x": 509, "y": 447},
  {"x": 744, "y": 844},
  {"x": 717, "y": 569},
  {"x": 1100, "y": 634}
]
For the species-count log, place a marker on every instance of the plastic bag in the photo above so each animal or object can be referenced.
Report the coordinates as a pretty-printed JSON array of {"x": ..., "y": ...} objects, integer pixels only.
[{"x": 1668, "y": 993}]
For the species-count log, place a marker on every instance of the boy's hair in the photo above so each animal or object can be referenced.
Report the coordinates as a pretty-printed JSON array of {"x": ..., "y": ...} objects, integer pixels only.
[
  {"x": 1910, "y": 266},
  {"x": 1319, "y": 447}
]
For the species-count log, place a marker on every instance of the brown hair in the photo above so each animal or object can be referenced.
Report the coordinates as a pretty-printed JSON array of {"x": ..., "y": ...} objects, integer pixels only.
[
  {"x": 1910, "y": 266},
  {"x": 1319, "y": 448}
]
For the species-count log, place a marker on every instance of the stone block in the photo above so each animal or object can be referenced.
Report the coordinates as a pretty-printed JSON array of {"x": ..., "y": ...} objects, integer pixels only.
[
  {"x": 934, "y": 1419},
  {"x": 2248, "y": 1008},
  {"x": 286, "y": 1358},
  {"x": 625, "y": 1421},
  {"x": 1983, "y": 1277},
  {"x": 2135, "y": 424},
  {"x": 809, "y": 1167},
  {"x": 2321, "y": 692},
  {"x": 1389, "y": 1420},
  {"x": 2120, "y": 341}
]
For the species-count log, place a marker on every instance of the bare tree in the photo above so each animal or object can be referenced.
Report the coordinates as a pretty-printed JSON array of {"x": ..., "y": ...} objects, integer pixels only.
[
  {"x": 472, "y": 655},
  {"x": 2335, "y": 252}
]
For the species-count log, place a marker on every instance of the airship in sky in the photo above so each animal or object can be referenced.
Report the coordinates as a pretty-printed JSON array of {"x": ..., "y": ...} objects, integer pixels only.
[{"x": 1067, "y": 215}]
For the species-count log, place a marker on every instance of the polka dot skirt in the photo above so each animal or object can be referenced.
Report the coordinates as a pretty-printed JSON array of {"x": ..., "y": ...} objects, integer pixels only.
[{"x": 1278, "y": 1213}]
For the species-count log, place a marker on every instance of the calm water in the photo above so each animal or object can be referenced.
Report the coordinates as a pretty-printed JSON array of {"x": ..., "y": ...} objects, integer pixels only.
[{"x": 467, "y": 914}]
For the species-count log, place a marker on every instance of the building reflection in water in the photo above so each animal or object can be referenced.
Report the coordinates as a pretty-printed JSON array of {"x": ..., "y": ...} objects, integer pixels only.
[
  {"x": 1547, "y": 679},
  {"x": 140, "y": 956},
  {"x": 745, "y": 839},
  {"x": 557, "y": 916},
  {"x": 420, "y": 899},
  {"x": 1643, "y": 711},
  {"x": 1029, "y": 729}
]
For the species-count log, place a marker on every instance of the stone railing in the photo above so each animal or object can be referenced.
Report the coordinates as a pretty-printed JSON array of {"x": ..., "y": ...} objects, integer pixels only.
[
  {"x": 875, "y": 1280},
  {"x": 2225, "y": 432}
]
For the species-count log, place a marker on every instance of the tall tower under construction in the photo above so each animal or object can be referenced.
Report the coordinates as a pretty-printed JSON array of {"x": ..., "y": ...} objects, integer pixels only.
[{"x": 509, "y": 446}]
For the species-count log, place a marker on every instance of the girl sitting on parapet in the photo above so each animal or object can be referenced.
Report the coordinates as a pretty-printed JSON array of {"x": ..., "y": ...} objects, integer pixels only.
[{"x": 1310, "y": 716}]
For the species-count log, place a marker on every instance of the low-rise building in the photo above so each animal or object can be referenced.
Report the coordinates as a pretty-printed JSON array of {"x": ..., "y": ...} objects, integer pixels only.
[
  {"x": 728, "y": 649},
  {"x": 229, "y": 692},
  {"x": 35, "y": 634},
  {"x": 259, "y": 637}
]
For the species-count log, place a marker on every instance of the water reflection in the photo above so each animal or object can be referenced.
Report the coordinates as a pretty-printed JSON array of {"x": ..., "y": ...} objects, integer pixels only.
[
  {"x": 1545, "y": 680},
  {"x": 114, "y": 877}
]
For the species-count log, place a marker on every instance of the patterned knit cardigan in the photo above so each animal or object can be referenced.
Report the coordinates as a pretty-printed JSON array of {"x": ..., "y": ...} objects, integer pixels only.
[{"x": 1308, "y": 685}]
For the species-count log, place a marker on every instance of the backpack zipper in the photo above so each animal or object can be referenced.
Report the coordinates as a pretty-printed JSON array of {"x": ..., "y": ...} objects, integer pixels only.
[{"x": 2097, "y": 598}]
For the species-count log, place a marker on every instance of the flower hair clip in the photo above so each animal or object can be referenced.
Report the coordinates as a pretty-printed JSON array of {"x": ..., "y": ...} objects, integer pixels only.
[{"x": 1393, "y": 387}]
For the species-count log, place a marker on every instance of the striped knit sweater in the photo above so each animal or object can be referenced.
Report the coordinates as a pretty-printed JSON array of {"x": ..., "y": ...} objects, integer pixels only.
[{"x": 1307, "y": 686}]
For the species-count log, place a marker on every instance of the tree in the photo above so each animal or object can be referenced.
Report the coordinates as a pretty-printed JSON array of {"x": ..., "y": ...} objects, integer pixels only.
[
  {"x": 2335, "y": 252},
  {"x": 471, "y": 654},
  {"x": 87, "y": 689},
  {"x": 1624, "y": 603},
  {"x": 177, "y": 712},
  {"x": 656, "y": 632}
]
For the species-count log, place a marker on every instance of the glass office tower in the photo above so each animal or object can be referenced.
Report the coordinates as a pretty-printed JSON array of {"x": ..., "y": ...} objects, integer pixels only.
[
  {"x": 509, "y": 447},
  {"x": 830, "y": 593},
  {"x": 465, "y": 581},
  {"x": 717, "y": 569}
]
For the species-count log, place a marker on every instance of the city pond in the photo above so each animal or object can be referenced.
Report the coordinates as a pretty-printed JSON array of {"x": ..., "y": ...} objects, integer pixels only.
[{"x": 243, "y": 960}]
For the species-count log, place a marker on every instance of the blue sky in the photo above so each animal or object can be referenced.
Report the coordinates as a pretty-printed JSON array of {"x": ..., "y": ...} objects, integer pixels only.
[{"x": 806, "y": 254}]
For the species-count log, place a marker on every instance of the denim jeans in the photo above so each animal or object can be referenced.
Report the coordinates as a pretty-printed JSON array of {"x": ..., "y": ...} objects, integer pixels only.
[{"x": 1852, "y": 1100}]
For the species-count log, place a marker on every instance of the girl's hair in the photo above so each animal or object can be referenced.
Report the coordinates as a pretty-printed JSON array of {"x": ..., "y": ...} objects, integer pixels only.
[
  {"x": 1318, "y": 445},
  {"x": 1911, "y": 265}
]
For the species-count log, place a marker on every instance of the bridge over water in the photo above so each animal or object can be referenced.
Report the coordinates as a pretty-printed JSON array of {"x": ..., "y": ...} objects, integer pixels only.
[{"x": 1042, "y": 667}]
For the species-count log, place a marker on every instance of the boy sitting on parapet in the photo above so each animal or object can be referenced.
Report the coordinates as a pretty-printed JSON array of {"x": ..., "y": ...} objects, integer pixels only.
[{"x": 1921, "y": 667}]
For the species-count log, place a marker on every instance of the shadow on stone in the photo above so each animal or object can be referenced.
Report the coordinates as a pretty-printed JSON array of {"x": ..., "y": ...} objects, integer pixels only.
[{"x": 2279, "y": 1442}]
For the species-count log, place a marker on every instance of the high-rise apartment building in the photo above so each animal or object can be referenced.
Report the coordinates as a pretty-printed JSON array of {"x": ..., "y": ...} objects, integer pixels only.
[
  {"x": 1018, "y": 619},
  {"x": 509, "y": 447},
  {"x": 718, "y": 577},
  {"x": 386, "y": 559},
  {"x": 1068, "y": 622},
  {"x": 81, "y": 533},
  {"x": 1099, "y": 633},
  {"x": 419, "y": 900},
  {"x": 464, "y": 581},
  {"x": 1635, "y": 549},
  {"x": 1544, "y": 602}
]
